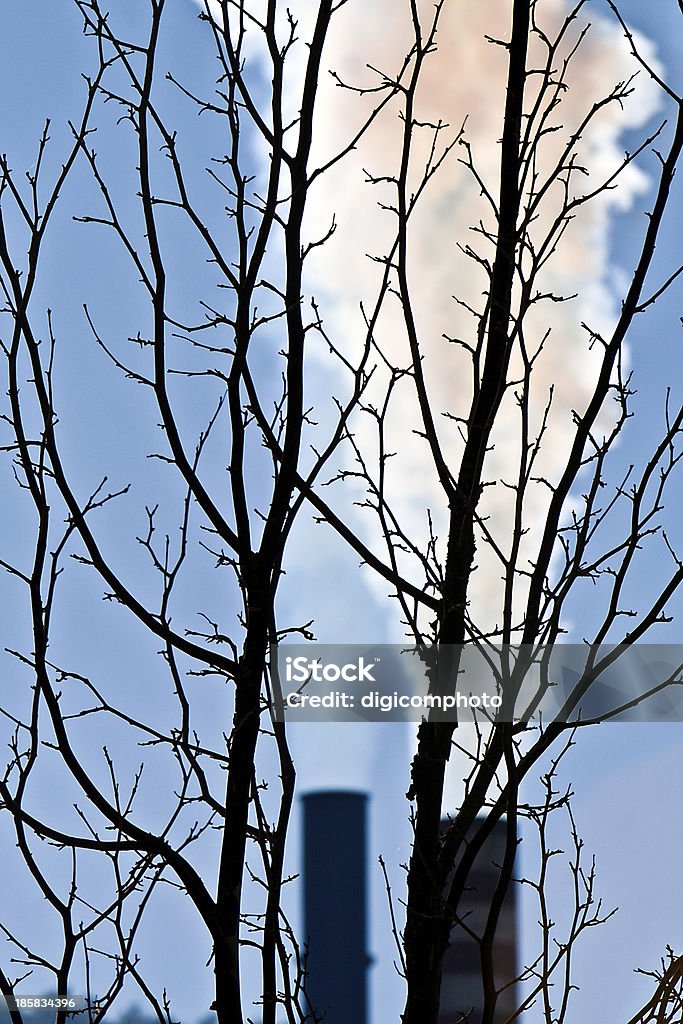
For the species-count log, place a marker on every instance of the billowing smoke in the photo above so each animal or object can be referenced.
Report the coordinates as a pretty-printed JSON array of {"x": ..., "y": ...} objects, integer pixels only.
[{"x": 463, "y": 83}]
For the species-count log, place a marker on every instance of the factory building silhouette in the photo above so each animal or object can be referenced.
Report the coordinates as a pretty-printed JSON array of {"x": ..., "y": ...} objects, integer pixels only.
[{"x": 335, "y": 905}]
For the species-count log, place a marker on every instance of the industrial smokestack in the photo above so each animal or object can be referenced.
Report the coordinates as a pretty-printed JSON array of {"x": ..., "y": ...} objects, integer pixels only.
[
  {"x": 335, "y": 905},
  {"x": 462, "y": 995}
]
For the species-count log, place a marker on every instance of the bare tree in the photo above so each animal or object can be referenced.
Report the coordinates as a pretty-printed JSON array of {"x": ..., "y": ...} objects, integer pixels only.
[
  {"x": 222, "y": 259},
  {"x": 125, "y": 76}
]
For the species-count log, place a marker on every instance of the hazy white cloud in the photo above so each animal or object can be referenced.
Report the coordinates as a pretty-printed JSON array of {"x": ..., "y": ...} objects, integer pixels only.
[{"x": 464, "y": 81}]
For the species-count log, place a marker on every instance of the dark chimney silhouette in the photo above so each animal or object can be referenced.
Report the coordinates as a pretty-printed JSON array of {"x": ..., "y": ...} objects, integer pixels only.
[
  {"x": 461, "y": 985},
  {"x": 335, "y": 905}
]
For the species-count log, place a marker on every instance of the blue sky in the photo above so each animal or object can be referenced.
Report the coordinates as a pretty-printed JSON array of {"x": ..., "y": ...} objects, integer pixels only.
[{"x": 625, "y": 777}]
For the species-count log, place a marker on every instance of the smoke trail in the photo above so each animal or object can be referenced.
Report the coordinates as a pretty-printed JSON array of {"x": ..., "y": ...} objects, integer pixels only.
[{"x": 464, "y": 82}]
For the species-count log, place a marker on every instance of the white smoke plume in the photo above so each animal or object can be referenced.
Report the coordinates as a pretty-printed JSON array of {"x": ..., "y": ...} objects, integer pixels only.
[{"x": 464, "y": 82}]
